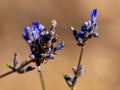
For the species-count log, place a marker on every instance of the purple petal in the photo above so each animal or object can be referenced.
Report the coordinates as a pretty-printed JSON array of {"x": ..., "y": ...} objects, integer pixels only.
[
  {"x": 94, "y": 15},
  {"x": 60, "y": 46},
  {"x": 27, "y": 29},
  {"x": 25, "y": 36}
]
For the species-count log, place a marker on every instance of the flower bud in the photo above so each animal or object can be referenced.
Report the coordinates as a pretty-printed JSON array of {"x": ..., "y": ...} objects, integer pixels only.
[
  {"x": 23, "y": 63},
  {"x": 15, "y": 61},
  {"x": 23, "y": 70},
  {"x": 95, "y": 34}
]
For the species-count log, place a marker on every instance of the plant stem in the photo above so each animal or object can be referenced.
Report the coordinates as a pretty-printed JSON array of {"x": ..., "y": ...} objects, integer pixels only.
[
  {"x": 80, "y": 58},
  {"x": 3, "y": 75},
  {"x": 42, "y": 81}
]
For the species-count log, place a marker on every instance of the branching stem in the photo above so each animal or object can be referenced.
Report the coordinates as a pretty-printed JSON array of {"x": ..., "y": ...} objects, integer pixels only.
[{"x": 10, "y": 72}]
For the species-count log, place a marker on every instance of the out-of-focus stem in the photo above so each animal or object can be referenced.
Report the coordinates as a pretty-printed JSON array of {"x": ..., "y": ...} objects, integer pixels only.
[
  {"x": 42, "y": 81},
  {"x": 10, "y": 72}
]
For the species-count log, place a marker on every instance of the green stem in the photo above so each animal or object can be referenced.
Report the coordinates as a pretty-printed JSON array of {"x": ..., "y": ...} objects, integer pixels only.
[
  {"x": 80, "y": 58},
  {"x": 42, "y": 81}
]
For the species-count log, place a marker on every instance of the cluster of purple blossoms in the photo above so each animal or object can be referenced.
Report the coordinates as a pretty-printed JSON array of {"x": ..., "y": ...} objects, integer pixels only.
[
  {"x": 87, "y": 31},
  {"x": 42, "y": 42},
  {"x": 42, "y": 45}
]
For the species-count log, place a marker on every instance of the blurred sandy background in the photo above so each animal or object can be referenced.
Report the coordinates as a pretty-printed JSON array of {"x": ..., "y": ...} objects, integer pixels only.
[{"x": 101, "y": 57}]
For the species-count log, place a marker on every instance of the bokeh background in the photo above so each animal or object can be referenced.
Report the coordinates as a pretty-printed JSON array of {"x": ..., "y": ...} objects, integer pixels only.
[{"x": 101, "y": 56}]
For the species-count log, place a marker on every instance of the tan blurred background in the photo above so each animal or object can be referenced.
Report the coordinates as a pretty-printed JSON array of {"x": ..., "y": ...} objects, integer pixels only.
[{"x": 101, "y": 56}]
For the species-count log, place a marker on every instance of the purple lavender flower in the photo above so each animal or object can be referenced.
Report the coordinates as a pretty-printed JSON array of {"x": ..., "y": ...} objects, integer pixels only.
[
  {"x": 60, "y": 46},
  {"x": 27, "y": 35},
  {"x": 36, "y": 26},
  {"x": 42, "y": 42},
  {"x": 27, "y": 28},
  {"x": 41, "y": 28},
  {"x": 77, "y": 37},
  {"x": 94, "y": 16},
  {"x": 32, "y": 34},
  {"x": 87, "y": 30},
  {"x": 35, "y": 34}
]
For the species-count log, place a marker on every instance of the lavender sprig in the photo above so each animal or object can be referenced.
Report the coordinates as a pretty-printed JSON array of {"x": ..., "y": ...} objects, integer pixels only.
[
  {"x": 41, "y": 42},
  {"x": 87, "y": 31}
]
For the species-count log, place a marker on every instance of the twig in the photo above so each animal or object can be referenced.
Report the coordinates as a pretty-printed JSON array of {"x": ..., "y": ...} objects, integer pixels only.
[
  {"x": 80, "y": 58},
  {"x": 3, "y": 75},
  {"x": 42, "y": 81}
]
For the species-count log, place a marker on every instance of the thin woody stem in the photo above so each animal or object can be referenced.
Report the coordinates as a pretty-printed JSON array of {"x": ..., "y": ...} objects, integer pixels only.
[
  {"x": 42, "y": 81},
  {"x": 3, "y": 75},
  {"x": 80, "y": 58}
]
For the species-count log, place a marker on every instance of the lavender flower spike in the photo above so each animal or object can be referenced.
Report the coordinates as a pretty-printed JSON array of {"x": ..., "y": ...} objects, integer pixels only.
[
  {"x": 60, "y": 46},
  {"x": 87, "y": 30},
  {"x": 94, "y": 16},
  {"x": 27, "y": 35},
  {"x": 41, "y": 43}
]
